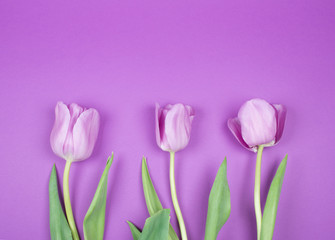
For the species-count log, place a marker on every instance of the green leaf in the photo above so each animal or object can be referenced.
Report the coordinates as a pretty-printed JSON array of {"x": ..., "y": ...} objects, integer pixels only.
[
  {"x": 271, "y": 205},
  {"x": 157, "y": 226},
  {"x": 153, "y": 203},
  {"x": 94, "y": 222},
  {"x": 134, "y": 231},
  {"x": 218, "y": 203},
  {"x": 59, "y": 227}
]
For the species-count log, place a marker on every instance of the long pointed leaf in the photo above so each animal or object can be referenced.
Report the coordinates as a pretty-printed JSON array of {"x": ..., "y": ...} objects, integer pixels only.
[
  {"x": 271, "y": 205},
  {"x": 59, "y": 227},
  {"x": 135, "y": 232},
  {"x": 153, "y": 203},
  {"x": 218, "y": 203},
  {"x": 94, "y": 222},
  {"x": 157, "y": 226}
]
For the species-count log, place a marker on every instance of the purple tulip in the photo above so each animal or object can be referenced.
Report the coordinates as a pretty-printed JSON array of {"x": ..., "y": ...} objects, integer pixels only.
[
  {"x": 173, "y": 126},
  {"x": 75, "y": 132},
  {"x": 258, "y": 123}
]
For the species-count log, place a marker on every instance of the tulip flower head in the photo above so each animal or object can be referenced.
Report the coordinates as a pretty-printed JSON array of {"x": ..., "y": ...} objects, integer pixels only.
[
  {"x": 258, "y": 123},
  {"x": 173, "y": 126},
  {"x": 75, "y": 131}
]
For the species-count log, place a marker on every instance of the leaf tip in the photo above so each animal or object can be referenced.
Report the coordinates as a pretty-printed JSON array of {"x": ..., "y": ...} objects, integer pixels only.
[
  {"x": 53, "y": 171},
  {"x": 285, "y": 160},
  {"x": 144, "y": 163},
  {"x": 110, "y": 159}
]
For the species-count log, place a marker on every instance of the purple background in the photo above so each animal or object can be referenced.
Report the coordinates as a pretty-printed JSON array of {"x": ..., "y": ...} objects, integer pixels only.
[{"x": 123, "y": 56}]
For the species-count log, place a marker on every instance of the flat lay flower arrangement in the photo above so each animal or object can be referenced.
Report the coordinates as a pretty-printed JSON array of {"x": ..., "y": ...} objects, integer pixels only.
[{"x": 258, "y": 125}]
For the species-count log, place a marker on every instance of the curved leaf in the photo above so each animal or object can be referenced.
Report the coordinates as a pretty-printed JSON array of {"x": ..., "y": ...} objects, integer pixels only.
[
  {"x": 94, "y": 222},
  {"x": 135, "y": 232},
  {"x": 271, "y": 205},
  {"x": 153, "y": 203},
  {"x": 59, "y": 227},
  {"x": 218, "y": 203},
  {"x": 157, "y": 226}
]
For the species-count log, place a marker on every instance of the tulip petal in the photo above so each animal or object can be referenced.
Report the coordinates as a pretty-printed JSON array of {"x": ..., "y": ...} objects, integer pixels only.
[
  {"x": 85, "y": 133},
  {"x": 158, "y": 113},
  {"x": 75, "y": 110},
  {"x": 258, "y": 122},
  {"x": 60, "y": 129},
  {"x": 190, "y": 112},
  {"x": 160, "y": 127},
  {"x": 68, "y": 148},
  {"x": 281, "y": 117},
  {"x": 177, "y": 127},
  {"x": 235, "y": 127}
]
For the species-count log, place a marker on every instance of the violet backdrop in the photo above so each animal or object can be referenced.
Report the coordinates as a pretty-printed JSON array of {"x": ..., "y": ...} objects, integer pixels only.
[{"x": 121, "y": 57}]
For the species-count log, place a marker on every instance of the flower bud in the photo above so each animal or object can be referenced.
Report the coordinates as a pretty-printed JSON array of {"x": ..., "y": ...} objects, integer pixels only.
[
  {"x": 173, "y": 126},
  {"x": 75, "y": 132},
  {"x": 258, "y": 123}
]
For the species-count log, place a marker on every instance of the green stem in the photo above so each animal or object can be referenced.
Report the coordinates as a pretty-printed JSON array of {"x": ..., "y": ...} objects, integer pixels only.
[
  {"x": 257, "y": 193},
  {"x": 67, "y": 201},
  {"x": 175, "y": 200}
]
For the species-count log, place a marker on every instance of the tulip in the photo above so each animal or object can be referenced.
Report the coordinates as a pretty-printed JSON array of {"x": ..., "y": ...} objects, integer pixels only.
[
  {"x": 75, "y": 132},
  {"x": 173, "y": 126},
  {"x": 72, "y": 138},
  {"x": 173, "y": 129},
  {"x": 259, "y": 124}
]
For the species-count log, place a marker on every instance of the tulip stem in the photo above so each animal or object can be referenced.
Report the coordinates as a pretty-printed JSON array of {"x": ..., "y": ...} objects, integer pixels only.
[
  {"x": 257, "y": 194},
  {"x": 67, "y": 201},
  {"x": 175, "y": 200}
]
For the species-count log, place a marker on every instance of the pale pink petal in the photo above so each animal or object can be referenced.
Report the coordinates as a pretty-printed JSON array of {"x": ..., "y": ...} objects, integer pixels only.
[
  {"x": 258, "y": 122},
  {"x": 177, "y": 127},
  {"x": 60, "y": 129},
  {"x": 85, "y": 133},
  {"x": 281, "y": 117},
  {"x": 168, "y": 107},
  {"x": 235, "y": 127},
  {"x": 158, "y": 113},
  {"x": 75, "y": 111},
  {"x": 160, "y": 127},
  {"x": 190, "y": 112},
  {"x": 164, "y": 144}
]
